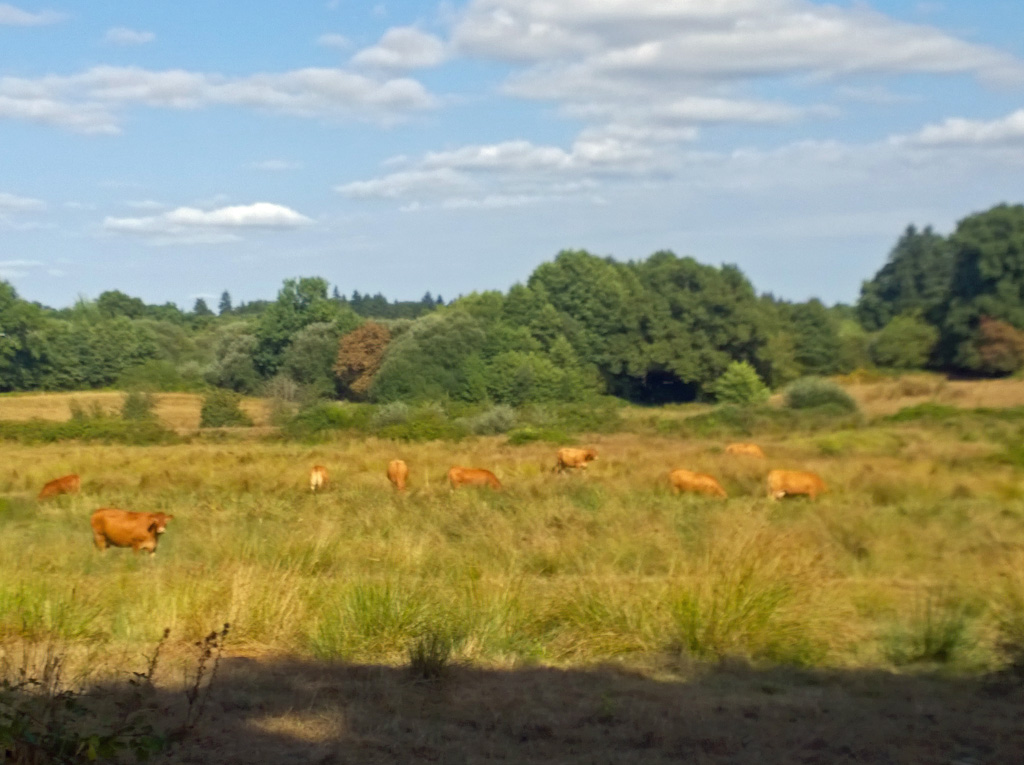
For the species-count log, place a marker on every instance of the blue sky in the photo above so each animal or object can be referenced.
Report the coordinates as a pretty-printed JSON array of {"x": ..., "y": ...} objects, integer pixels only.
[{"x": 175, "y": 150}]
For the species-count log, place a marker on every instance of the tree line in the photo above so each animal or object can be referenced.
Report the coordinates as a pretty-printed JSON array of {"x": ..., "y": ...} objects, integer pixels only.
[{"x": 656, "y": 330}]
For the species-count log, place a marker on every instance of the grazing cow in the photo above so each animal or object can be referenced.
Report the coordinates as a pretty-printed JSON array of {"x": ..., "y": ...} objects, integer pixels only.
[
  {"x": 66, "y": 484},
  {"x": 698, "y": 483},
  {"x": 318, "y": 478},
  {"x": 121, "y": 528},
  {"x": 462, "y": 476},
  {"x": 745, "y": 450},
  {"x": 398, "y": 472},
  {"x": 571, "y": 459},
  {"x": 792, "y": 483}
]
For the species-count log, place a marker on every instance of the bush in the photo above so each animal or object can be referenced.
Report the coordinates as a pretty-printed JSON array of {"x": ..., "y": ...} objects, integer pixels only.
[
  {"x": 138, "y": 406},
  {"x": 812, "y": 392},
  {"x": 497, "y": 419},
  {"x": 426, "y": 423},
  {"x": 395, "y": 413},
  {"x": 739, "y": 384},
  {"x": 320, "y": 418},
  {"x": 222, "y": 408}
]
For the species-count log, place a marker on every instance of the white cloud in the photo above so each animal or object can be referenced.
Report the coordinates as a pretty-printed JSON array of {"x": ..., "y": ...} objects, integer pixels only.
[
  {"x": 12, "y": 16},
  {"x": 667, "y": 63},
  {"x": 191, "y": 225},
  {"x": 81, "y": 117},
  {"x": 402, "y": 48},
  {"x": 15, "y": 269},
  {"x": 407, "y": 183},
  {"x": 88, "y": 102},
  {"x": 125, "y": 36},
  {"x": 332, "y": 40},
  {"x": 726, "y": 38},
  {"x": 13, "y": 203},
  {"x": 956, "y": 131}
]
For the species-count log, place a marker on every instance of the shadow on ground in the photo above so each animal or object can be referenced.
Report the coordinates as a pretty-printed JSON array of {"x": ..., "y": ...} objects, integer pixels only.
[{"x": 296, "y": 711}]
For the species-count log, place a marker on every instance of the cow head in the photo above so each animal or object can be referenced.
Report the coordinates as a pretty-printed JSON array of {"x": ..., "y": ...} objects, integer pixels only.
[
  {"x": 590, "y": 454},
  {"x": 158, "y": 523}
]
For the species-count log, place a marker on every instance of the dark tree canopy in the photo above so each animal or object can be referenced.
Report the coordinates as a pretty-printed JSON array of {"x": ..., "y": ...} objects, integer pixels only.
[
  {"x": 988, "y": 280},
  {"x": 915, "y": 279}
]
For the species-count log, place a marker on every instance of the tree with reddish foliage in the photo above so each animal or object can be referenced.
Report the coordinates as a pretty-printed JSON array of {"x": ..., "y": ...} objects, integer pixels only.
[
  {"x": 1000, "y": 347},
  {"x": 359, "y": 357}
]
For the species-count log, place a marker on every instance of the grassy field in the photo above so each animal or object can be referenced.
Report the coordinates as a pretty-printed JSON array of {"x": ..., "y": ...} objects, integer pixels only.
[{"x": 913, "y": 562}]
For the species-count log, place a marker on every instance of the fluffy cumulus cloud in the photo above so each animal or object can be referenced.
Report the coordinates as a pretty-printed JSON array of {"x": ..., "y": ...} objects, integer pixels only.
[
  {"x": 91, "y": 101},
  {"x": 1004, "y": 132},
  {"x": 193, "y": 225},
  {"x": 647, "y": 78},
  {"x": 708, "y": 40},
  {"x": 402, "y": 48},
  {"x": 13, "y": 16},
  {"x": 125, "y": 36},
  {"x": 673, "y": 63}
]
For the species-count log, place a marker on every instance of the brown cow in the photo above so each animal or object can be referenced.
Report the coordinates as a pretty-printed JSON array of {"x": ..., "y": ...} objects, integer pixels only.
[
  {"x": 66, "y": 484},
  {"x": 791, "y": 483},
  {"x": 745, "y": 450},
  {"x": 398, "y": 472},
  {"x": 462, "y": 476},
  {"x": 121, "y": 528},
  {"x": 698, "y": 483},
  {"x": 318, "y": 478},
  {"x": 571, "y": 459}
]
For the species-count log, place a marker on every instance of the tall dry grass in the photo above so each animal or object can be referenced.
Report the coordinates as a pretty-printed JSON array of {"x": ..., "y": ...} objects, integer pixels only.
[{"x": 912, "y": 557}]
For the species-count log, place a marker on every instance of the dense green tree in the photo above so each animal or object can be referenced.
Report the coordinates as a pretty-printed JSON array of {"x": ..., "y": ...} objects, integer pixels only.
[
  {"x": 438, "y": 357},
  {"x": 906, "y": 342},
  {"x": 19, "y": 344},
  {"x": 988, "y": 281},
  {"x": 815, "y": 338},
  {"x": 200, "y": 308},
  {"x": 224, "y": 307},
  {"x": 234, "y": 366},
  {"x": 114, "y": 303},
  {"x": 311, "y": 355},
  {"x": 300, "y": 302},
  {"x": 915, "y": 278},
  {"x": 697, "y": 319}
]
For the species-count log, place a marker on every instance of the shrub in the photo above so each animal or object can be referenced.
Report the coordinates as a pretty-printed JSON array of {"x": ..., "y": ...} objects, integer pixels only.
[
  {"x": 811, "y": 392},
  {"x": 426, "y": 423},
  {"x": 739, "y": 384},
  {"x": 138, "y": 406},
  {"x": 322, "y": 417},
  {"x": 395, "y": 413},
  {"x": 222, "y": 408},
  {"x": 103, "y": 429},
  {"x": 497, "y": 419}
]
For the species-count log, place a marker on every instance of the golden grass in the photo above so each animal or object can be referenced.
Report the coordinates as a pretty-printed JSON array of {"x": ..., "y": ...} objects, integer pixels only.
[
  {"x": 890, "y": 395},
  {"x": 561, "y": 569},
  {"x": 179, "y": 411}
]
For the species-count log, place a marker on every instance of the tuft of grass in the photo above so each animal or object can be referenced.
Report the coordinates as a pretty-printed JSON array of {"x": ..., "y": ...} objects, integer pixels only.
[{"x": 937, "y": 633}]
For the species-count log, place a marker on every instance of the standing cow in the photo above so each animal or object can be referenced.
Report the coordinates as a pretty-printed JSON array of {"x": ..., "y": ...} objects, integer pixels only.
[
  {"x": 462, "y": 476},
  {"x": 122, "y": 528},
  {"x": 318, "y": 478},
  {"x": 697, "y": 483},
  {"x": 398, "y": 472},
  {"x": 66, "y": 484},
  {"x": 793, "y": 483},
  {"x": 573, "y": 459}
]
